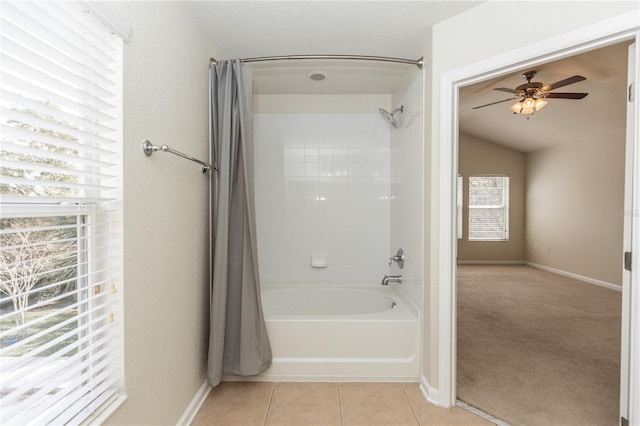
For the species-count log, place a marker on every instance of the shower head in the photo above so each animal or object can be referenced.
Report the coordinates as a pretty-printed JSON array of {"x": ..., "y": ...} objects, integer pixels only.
[{"x": 389, "y": 117}]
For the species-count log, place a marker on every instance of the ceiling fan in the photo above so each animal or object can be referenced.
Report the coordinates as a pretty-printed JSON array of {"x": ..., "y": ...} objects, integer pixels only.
[{"x": 532, "y": 95}]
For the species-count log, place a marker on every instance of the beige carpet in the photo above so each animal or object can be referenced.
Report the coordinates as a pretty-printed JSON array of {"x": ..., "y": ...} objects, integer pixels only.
[{"x": 535, "y": 348}]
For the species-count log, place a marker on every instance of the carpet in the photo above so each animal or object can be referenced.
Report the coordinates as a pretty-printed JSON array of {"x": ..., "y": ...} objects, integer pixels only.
[{"x": 536, "y": 348}]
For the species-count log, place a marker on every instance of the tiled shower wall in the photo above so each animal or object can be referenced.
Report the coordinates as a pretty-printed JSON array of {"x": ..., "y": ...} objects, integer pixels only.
[
  {"x": 407, "y": 158},
  {"x": 322, "y": 188}
]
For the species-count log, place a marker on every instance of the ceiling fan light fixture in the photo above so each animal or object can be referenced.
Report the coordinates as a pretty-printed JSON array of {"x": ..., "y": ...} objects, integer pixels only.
[
  {"x": 528, "y": 106},
  {"x": 517, "y": 107},
  {"x": 533, "y": 94},
  {"x": 540, "y": 103},
  {"x": 528, "y": 103}
]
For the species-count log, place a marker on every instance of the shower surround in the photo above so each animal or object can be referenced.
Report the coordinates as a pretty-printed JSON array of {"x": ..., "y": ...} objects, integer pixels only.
[
  {"x": 322, "y": 188},
  {"x": 335, "y": 180}
]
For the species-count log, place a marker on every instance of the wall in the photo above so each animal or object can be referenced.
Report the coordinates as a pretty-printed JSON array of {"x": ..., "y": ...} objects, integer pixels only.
[
  {"x": 490, "y": 30},
  {"x": 575, "y": 204},
  {"x": 165, "y": 213},
  {"x": 477, "y": 156},
  {"x": 322, "y": 187},
  {"x": 406, "y": 185}
]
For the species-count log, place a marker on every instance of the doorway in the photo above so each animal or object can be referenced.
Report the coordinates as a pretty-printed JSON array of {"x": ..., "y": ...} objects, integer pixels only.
[
  {"x": 531, "y": 293},
  {"x": 448, "y": 164}
]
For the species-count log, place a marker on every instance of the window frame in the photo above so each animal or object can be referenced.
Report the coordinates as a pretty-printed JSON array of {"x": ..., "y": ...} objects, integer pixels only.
[
  {"x": 504, "y": 206},
  {"x": 98, "y": 246}
]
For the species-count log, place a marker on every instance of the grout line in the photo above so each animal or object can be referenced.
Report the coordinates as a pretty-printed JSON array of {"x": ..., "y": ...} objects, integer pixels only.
[
  {"x": 266, "y": 414},
  {"x": 339, "y": 403},
  {"x": 413, "y": 411}
]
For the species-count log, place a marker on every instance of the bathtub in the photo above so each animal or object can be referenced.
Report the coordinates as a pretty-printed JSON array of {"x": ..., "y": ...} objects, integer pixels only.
[{"x": 341, "y": 333}]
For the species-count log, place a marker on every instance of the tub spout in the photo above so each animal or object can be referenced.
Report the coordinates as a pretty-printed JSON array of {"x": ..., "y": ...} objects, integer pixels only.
[{"x": 391, "y": 279}]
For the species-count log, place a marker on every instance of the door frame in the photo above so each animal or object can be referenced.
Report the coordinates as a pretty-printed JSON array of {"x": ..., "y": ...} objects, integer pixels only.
[{"x": 622, "y": 28}]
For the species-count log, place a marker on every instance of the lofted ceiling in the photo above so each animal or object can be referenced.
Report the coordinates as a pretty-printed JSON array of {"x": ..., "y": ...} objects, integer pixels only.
[{"x": 601, "y": 114}]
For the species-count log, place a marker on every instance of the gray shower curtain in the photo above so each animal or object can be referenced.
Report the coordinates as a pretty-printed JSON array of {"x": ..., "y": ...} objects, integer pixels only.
[{"x": 238, "y": 341}]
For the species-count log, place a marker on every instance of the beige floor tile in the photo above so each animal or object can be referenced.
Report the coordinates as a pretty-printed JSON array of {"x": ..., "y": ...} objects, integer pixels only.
[
  {"x": 304, "y": 404},
  {"x": 429, "y": 414},
  {"x": 235, "y": 404},
  {"x": 369, "y": 404}
]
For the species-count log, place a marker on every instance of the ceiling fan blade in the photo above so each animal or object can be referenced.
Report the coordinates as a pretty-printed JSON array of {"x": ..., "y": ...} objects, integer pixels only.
[
  {"x": 561, "y": 95},
  {"x": 505, "y": 89},
  {"x": 561, "y": 83},
  {"x": 497, "y": 102}
]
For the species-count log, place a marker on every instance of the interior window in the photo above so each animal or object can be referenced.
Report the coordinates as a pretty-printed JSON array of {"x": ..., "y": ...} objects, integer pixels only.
[{"x": 488, "y": 208}]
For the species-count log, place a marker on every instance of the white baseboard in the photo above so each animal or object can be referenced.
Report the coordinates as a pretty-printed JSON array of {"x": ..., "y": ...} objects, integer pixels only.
[
  {"x": 588, "y": 280},
  {"x": 605, "y": 284},
  {"x": 195, "y": 404},
  {"x": 430, "y": 393},
  {"x": 491, "y": 262}
]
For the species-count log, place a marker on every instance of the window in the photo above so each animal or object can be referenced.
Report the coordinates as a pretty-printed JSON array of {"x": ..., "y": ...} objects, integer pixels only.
[
  {"x": 60, "y": 222},
  {"x": 488, "y": 208}
]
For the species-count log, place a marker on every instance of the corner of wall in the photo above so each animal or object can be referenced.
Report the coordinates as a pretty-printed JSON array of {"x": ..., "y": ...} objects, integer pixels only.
[
  {"x": 194, "y": 406},
  {"x": 430, "y": 393}
]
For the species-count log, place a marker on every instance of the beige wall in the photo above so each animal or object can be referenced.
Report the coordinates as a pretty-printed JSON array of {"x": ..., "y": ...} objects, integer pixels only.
[
  {"x": 486, "y": 31},
  {"x": 575, "y": 200},
  {"x": 477, "y": 156},
  {"x": 165, "y": 214},
  {"x": 566, "y": 214}
]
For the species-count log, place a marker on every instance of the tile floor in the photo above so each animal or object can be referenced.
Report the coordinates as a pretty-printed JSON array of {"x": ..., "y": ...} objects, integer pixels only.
[{"x": 326, "y": 404}]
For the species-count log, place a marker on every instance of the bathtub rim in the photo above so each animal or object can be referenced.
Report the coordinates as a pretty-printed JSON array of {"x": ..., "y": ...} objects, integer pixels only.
[{"x": 405, "y": 310}]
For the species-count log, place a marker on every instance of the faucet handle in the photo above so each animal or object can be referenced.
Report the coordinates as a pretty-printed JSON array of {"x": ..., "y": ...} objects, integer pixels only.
[{"x": 399, "y": 258}]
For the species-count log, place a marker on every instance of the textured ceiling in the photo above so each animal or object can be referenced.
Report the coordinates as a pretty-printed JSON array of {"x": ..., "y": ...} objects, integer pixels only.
[
  {"x": 244, "y": 29},
  {"x": 241, "y": 29}
]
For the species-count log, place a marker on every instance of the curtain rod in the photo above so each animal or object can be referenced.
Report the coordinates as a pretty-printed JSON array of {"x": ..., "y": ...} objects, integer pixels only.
[
  {"x": 417, "y": 62},
  {"x": 150, "y": 148}
]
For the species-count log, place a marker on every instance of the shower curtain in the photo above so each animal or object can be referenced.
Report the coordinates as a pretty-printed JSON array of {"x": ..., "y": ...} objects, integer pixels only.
[{"x": 238, "y": 341}]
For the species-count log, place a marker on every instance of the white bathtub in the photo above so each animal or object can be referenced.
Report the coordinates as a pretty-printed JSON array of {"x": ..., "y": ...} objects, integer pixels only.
[{"x": 341, "y": 333}]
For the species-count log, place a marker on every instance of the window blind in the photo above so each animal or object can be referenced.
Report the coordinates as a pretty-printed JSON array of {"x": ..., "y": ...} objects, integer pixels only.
[
  {"x": 60, "y": 225},
  {"x": 488, "y": 208}
]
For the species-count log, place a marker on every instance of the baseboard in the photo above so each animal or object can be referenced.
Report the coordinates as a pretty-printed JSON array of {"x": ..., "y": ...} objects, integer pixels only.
[
  {"x": 195, "y": 404},
  {"x": 588, "y": 280},
  {"x": 430, "y": 393},
  {"x": 491, "y": 262}
]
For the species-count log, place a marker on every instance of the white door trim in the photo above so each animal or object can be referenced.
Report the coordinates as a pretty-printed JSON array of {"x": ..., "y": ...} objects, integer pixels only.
[
  {"x": 611, "y": 31},
  {"x": 630, "y": 359}
]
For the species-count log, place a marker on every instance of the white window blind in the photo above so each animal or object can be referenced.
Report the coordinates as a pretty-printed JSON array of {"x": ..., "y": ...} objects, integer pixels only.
[
  {"x": 60, "y": 223},
  {"x": 488, "y": 208}
]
